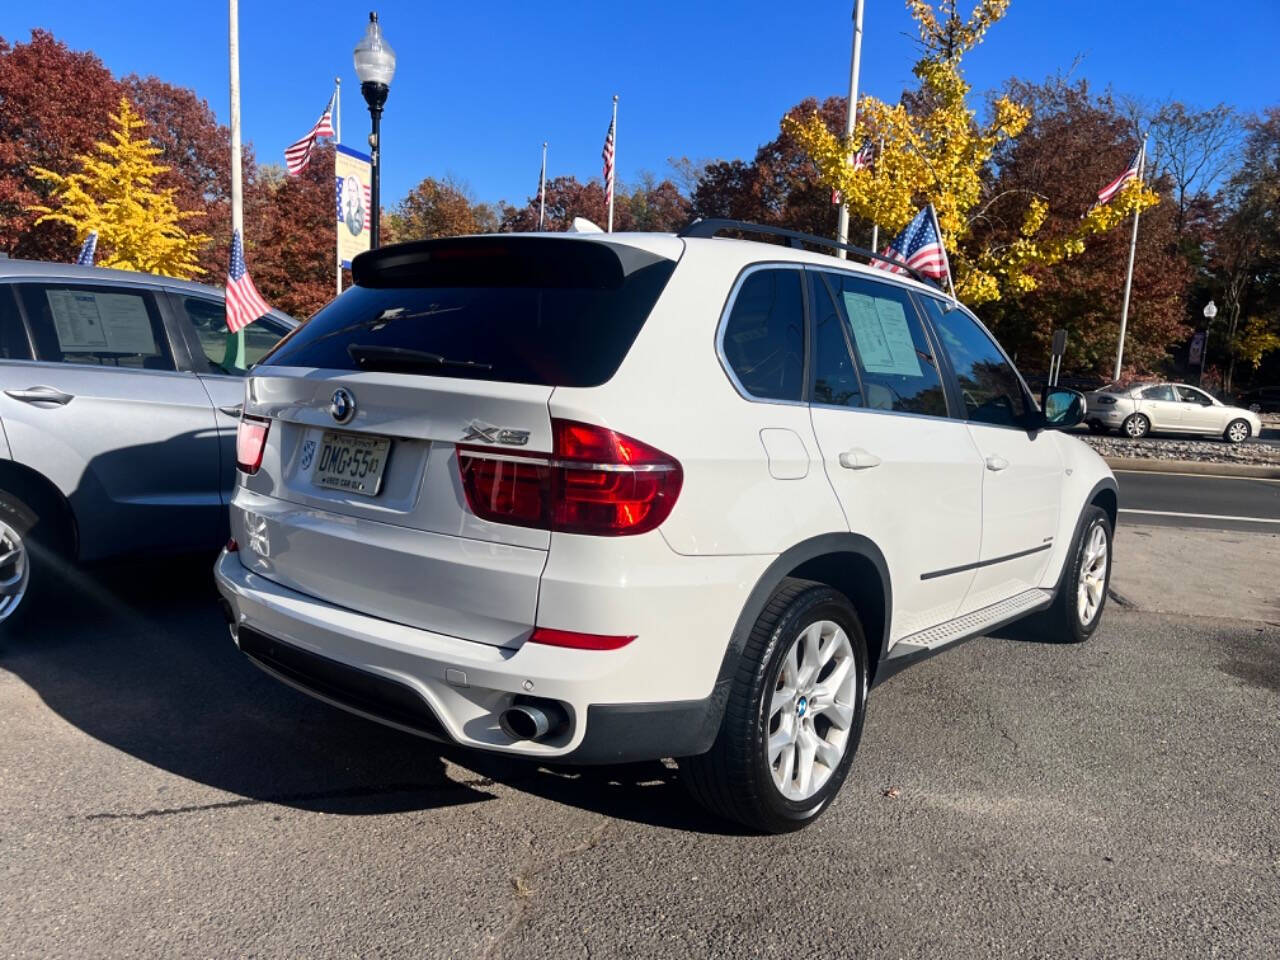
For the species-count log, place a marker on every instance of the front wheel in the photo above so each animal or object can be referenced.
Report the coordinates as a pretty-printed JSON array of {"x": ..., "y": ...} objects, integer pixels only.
[
  {"x": 794, "y": 716},
  {"x": 1077, "y": 610},
  {"x": 1237, "y": 432},
  {"x": 17, "y": 521},
  {"x": 1136, "y": 426}
]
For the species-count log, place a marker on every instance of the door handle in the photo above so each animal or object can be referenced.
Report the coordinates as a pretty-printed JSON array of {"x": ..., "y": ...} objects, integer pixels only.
[
  {"x": 996, "y": 463},
  {"x": 858, "y": 459},
  {"x": 232, "y": 411},
  {"x": 41, "y": 395}
]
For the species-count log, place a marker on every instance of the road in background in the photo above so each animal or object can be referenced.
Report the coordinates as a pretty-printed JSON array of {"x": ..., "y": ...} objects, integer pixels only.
[{"x": 1192, "y": 500}]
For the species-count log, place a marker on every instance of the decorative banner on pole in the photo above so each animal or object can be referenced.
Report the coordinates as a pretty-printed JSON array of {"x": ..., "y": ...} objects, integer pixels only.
[
  {"x": 352, "y": 176},
  {"x": 1197, "y": 349}
]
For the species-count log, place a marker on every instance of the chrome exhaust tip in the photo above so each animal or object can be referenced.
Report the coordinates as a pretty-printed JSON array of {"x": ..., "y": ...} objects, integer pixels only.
[{"x": 532, "y": 720}]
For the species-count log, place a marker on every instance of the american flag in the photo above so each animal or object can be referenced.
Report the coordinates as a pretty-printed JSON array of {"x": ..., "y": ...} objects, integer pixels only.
[
  {"x": 244, "y": 302},
  {"x": 861, "y": 161},
  {"x": 607, "y": 155},
  {"x": 298, "y": 156},
  {"x": 1130, "y": 173},
  {"x": 88, "y": 249},
  {"x": 919, "y": 245}
]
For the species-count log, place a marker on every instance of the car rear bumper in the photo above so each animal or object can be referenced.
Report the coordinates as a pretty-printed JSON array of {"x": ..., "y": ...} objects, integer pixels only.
[{"x": 453, "y": 690}]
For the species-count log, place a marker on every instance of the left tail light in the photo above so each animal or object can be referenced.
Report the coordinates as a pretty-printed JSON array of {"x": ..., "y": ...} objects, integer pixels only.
[{"x": 251, "y": 441}]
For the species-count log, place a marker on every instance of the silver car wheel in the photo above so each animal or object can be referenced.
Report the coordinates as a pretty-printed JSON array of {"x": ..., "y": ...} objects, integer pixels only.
[
  {"x": 1093, "y": 574},
  {"x": 1238, "y": 432},
  {"x": 1137, "y": 426},
  {"x": 15, "y": 570},
  {"x": 812, "y": 710}
]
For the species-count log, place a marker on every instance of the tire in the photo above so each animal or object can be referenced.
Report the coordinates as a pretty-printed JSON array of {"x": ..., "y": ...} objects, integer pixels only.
[
  {"x": 1098, "y": 427},
  {"x": 1073, "y": 618},
  {"x": 1237, "y": 431},
  {"x": 1136, "y": 426},
  {"x": 21, "y": 570},
  {"x": 741, "y": 778}
]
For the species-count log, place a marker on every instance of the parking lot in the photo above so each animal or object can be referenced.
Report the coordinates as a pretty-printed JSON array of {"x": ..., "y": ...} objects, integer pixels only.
[{"x": 1013, "y": 797}]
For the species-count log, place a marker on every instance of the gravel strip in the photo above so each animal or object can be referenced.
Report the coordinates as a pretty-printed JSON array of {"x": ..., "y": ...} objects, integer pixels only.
[{"x": 1204, "y": 451}]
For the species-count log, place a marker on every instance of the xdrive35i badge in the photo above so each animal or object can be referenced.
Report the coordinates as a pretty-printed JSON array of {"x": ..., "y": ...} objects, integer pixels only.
[
  {"x": 486, "y": 433},
  {"x": 342, "y": 407}
]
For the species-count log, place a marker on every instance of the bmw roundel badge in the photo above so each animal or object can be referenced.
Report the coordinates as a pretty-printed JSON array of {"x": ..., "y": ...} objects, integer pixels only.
[{"x": 343, "y": 405}]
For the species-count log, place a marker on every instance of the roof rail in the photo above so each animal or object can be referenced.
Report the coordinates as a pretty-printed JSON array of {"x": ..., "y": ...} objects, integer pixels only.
[{"x": 714, "y": 226}]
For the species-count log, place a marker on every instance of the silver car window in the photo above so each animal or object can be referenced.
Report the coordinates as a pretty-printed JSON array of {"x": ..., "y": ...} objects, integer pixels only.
[
  {"x": 1161, "y": 392},
  {"x": 96, "y": 325}
]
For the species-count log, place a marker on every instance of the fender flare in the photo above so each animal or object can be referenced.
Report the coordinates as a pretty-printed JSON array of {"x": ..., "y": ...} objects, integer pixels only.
[
  {"x": 778, "y": 571},
  {"x": 1106, "y": 483}
]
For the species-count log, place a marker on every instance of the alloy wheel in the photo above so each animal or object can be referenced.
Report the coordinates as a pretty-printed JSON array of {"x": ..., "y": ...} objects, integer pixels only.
[
  {"x": 811, "y": 710},
  {"x": 1092, "y": 584},
  {"x": 1238, "y": 432},
  {"x": 1136, "y": 427},
  {"x": 15, "y": 570}
]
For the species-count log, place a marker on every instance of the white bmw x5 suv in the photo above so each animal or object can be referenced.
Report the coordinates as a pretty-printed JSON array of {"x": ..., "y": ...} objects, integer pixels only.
[{"x": 610, "y": 497}]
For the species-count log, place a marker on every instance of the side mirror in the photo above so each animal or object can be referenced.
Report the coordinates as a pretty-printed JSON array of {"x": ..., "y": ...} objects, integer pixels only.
[{"x": 1061, "y": 409}]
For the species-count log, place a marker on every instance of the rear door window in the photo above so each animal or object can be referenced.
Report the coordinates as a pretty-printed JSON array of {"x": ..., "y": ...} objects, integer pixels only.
[
  {"x": 896, "y": 361},
  {"x": 763, "y": 338},
  {"x": 989, "y": 386},
  {"x": 835, "y": 381},
  {"x": 96, "y": 325},
  {"x": 1161, "y": 392},
  {"x": 549, "y": 311}
]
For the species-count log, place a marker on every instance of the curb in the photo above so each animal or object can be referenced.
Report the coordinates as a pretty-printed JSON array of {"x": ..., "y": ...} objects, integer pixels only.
[{"x": 1257, "y": 471}]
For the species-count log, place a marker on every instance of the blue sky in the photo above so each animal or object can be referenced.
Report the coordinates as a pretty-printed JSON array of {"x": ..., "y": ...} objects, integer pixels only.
[{"x": 480, "y": 85}]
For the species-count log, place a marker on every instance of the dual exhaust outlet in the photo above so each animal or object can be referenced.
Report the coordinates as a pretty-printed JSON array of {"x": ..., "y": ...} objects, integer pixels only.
[{"x": 533, "y": 718}]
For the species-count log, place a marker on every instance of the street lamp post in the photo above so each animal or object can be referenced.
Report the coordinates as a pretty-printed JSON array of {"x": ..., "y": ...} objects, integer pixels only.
[
  {"x": 375, "y": 66},
  {"x": 1210, "y": 311}
]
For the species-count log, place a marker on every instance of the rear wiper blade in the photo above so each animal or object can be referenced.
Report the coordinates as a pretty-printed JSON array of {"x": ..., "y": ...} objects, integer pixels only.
[{"x": 371, "y": 356}]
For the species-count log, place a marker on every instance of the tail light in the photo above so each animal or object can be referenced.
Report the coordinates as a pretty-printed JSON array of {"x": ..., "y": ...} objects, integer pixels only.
[
  {"x": 595, "y": 482},
  {"x": 251, "y": 440}
]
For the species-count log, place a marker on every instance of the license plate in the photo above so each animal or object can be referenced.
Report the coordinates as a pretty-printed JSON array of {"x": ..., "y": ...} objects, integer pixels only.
[{"x": 351, "y": 462}]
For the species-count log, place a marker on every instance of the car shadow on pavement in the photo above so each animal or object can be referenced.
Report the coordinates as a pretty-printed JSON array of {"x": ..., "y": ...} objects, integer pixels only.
[{"x": 137, "y": 656}]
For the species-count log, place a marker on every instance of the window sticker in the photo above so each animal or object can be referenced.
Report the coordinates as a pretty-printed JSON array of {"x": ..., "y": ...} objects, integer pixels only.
[
  {"x": 882, "y": 335},
  {"x": 91, "y": 322}
]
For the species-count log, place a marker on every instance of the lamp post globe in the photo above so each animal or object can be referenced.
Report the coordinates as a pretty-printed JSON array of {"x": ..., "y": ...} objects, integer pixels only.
[
  {"x": 1210, "y": 311},
  {"x": 375, "y": 66}
]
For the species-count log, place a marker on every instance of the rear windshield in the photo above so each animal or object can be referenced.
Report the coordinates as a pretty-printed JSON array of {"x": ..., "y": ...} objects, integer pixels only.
[{"x": 556, "y": 312}]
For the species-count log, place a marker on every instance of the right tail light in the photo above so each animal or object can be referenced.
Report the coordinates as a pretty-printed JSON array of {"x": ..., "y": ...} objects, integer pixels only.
[{"x": 596, "y": 481}]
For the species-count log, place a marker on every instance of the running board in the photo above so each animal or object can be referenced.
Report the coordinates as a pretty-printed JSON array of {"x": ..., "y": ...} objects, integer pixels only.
[{"x": 971, "y": 624}]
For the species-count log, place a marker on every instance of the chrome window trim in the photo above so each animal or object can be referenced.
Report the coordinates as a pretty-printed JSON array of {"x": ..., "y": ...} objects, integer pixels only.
[{"x": 724, "y": 322}]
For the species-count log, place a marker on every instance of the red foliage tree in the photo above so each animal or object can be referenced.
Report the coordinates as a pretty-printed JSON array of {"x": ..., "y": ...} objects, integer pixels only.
[{"x": 54, "y": 105}]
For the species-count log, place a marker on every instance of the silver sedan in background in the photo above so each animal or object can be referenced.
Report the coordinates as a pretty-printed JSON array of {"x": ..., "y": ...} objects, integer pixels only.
[{"x": 1138, "y": 409}]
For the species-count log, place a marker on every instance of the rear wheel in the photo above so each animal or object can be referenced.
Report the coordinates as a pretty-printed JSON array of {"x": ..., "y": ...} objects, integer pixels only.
[
  {"x": 1077, "y": 610},
  {"x": 1237, "y": 431},
  {"x": 1097, "y": 426},
  {"x": 794, "y": 715},
  {"x": 1136, "y": 426},
  {"x": 20, "y": 574}
]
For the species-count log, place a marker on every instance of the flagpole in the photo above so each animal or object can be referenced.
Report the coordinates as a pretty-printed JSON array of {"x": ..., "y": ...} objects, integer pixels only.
[
  {"x": 337, "y": 139},
  {"x": 542, "y": 188},
  {"x": 1128, "y": 279},
  {"x": 234, "y": 358},
  {"x": 851, "y": 119},
  {"x": 946, "y": 257},
  {"x": 875, "y": 227},
  {"x": 613, "y": 169}
]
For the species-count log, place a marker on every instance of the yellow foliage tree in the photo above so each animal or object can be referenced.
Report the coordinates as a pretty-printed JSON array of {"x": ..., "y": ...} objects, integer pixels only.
[
  {"x": 139, "y": 226},
  {"x": 935, "y": 151}
]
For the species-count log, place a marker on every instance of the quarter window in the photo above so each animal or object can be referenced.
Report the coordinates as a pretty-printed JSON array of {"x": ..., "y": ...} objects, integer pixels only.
[
  {"x": 13, "y": 336},
  {"x": 895, "y": 360},
  {"x": 764, "y": 336},
  {"x": 989, "y": 386},
  {"x": 96, "y": 326},
  {"x": 209, "y": 317}
]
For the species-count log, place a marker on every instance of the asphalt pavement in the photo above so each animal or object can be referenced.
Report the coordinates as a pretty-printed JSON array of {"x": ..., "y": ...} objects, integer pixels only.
[
  {"x": 1194, "y": 500},
  {"x": 1013, "y": 797}
]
